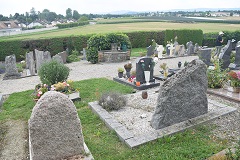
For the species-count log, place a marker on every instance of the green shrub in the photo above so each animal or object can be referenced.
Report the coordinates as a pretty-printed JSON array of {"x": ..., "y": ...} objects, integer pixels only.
[
  {"x": 216, "y": 77},
  {"x": 112, "y": 101},
  {"x": 53, "y": 72},
  {"x": 103, "y": 42},
  {"x": 74, "y": 57}
]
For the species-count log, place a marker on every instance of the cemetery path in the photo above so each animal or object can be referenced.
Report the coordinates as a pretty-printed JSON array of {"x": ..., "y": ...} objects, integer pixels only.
[{"x": 83, "y": 70}]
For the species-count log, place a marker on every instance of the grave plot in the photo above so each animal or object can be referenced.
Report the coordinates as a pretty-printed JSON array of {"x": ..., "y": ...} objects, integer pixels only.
[{"x": 180, "y": 103}]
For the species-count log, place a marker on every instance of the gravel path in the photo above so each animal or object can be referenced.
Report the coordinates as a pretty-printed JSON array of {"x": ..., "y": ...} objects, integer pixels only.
[{"x": 80, "y": 71}]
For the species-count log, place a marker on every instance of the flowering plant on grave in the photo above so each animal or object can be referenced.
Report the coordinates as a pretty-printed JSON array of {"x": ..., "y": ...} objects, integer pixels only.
[
  {"x": 63, "y": 87},
  {"x": 234, "y": 78},
  {"x": 163, "y": 66}
]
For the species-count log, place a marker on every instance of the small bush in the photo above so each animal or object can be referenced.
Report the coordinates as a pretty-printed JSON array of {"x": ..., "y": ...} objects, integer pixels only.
[
  {"x": 53, "y": 72},
  {"x": 112, "y": 101}
]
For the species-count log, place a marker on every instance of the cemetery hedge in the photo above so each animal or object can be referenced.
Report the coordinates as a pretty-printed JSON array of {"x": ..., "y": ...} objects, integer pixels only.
[
  {"x": 184, "y": 36},
  {"x": 138, "y": 39},
  {"x": 69, "y": 25}
]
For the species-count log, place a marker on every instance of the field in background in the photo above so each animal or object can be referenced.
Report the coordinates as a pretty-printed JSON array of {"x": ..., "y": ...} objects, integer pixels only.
[{"x": 127, "y": 27}]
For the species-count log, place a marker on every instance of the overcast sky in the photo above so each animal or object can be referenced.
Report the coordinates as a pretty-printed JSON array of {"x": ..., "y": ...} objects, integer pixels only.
[{"x": 8, "y": 7}]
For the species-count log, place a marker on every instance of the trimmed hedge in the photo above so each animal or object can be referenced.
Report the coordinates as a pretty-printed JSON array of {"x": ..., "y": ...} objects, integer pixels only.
[
  {"x": 70, "y": 25},
  {"x": 137, "y": 39},
  {"x": 144, "y": 38},
  {"x": 184, "y": 36}
]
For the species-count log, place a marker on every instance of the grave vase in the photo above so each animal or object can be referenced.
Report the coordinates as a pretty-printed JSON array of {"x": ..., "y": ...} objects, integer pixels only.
[
  {"x": 147, "y": 77},
  {"x": 165, "y": 73}
]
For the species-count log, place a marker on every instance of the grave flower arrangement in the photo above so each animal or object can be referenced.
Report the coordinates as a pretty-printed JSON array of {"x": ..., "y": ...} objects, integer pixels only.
[
  {"x": 150, "y": 65},
  {"x": 234, "y": 78},
  {"x": 65, "y": 87}
]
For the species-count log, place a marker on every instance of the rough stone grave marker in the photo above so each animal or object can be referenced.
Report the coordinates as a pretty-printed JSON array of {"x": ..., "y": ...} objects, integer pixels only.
[
  {"x": 182, "y": 50},
  {"x": 55, "y": 130},
  {"x": 225, "y": 54},
  {"x": 58, "y": 58},
  {"x": 182, "y": 97},
  {"x": 30, "y": 63},
  {"x": 64, "y": 56},
  {"x": 190, "y": 48},
  {"x": 205, "y": 56},
  {"x": 11, "y": 68},
  {"x": 41, "y": 57}
]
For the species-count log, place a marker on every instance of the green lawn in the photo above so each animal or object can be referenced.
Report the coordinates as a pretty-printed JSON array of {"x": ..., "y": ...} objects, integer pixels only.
[
  {"x": 104, "y": 144},
  {"x": 127, "y": 27}
]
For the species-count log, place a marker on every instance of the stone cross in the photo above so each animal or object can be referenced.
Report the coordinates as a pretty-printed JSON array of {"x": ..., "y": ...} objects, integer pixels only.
[
  {"x": 55, "y": 130},
  {"x": 160, "y": 50}
]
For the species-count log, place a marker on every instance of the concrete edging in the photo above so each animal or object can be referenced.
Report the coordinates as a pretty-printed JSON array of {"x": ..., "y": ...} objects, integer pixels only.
[{"x": 134, "y": 141}]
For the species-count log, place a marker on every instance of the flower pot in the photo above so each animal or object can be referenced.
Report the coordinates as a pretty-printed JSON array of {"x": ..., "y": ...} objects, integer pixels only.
[
  {"x": 179, "y": 64},
  {"x": 120, "y": 74},
  {"x": 138, "y": 83}
]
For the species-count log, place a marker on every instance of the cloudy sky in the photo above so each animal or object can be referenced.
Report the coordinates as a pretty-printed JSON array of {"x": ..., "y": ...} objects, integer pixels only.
[{"x": 8, "y": 7}]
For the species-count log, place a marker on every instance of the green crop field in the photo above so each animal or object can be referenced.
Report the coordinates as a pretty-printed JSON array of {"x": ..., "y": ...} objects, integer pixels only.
[{"x": 127, "y": 27}]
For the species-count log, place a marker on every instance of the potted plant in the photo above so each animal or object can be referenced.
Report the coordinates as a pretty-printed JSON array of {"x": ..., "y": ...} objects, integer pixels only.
[
  {"x": 164, "y": 67},
  {"x": 120, "y": 72},
  {"x": 128, "y": 68}
]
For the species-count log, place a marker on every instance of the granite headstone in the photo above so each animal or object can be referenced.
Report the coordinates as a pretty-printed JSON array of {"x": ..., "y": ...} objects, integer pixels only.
[
  {"x": 55, "y": 130},
  {"x": 11, "y": 68},
  {"x": 182, "y": 97}
]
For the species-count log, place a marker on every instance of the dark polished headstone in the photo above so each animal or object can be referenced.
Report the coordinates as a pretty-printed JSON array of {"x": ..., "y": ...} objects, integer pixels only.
[
  {"x": 205, "y": 56},
  {"x": 225, "y": 55},
  {"x": 237, "y": 57},
  {"x": 144, "y": 64}
]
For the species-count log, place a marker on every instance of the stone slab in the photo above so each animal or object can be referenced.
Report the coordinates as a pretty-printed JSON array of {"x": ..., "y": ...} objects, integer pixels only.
[
  {"x": 134, "y": 141},
  {"x": 141, "y": 87},
  {"x": 225, "y": 94}
]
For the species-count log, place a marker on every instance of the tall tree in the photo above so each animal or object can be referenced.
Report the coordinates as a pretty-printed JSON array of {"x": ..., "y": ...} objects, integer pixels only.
[
  {"x": 76, "y": 15},
  {"x": 69, "y": 13}
]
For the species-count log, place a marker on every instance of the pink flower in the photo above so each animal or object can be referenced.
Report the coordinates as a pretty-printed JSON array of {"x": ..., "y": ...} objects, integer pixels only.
[
  {"x": 45, "y": 85},
  {"x": 64, "y": 83},
  {"x": 40, "y": 92},
  {"x": 38, "y": 95},
  {"x": 238, "y": 74}
]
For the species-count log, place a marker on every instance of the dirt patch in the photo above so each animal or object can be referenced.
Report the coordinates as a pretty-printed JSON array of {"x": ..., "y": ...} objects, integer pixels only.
[{"x": 15, "y": 142}]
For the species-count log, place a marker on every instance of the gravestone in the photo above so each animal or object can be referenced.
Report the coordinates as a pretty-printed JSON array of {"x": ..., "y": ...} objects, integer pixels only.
[
  {"x": 2, "y": 67},
  {"x": 55, "y": 130},
  {"x": 205, "y": 56},
  {"x": 114, "y": 46},
  {"x": 167, "y": 49},
  {"x": 237, "y": 57},
  {"x": 176, "y": 50},
  {"x": 171, "y": 50},
  {"x": 225, "y": 55},
  {"x": 190, "y": 48},
  {"x": 41, "y": 57},
  {"x": 182, "y": 50},
  {"x": 160, "y": 50},
  {"x": 84, "y": 54},
  {"x": 150, "y": 51},
  {"x": 238, "y": 44},
  {"x": 57, "y": 58},
  {"x": 30, "y": 63},
  {"x": 196, "y": 48},
  {"x": 182, "y": 97},
  {"x": 11, "y": 68},
  {"x": 144, "y": 64},
  {"x": 64, "y": 56}
]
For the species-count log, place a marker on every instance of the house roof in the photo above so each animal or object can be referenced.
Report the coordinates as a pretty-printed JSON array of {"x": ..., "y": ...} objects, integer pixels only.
[{"x": 9, "y": 24}]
